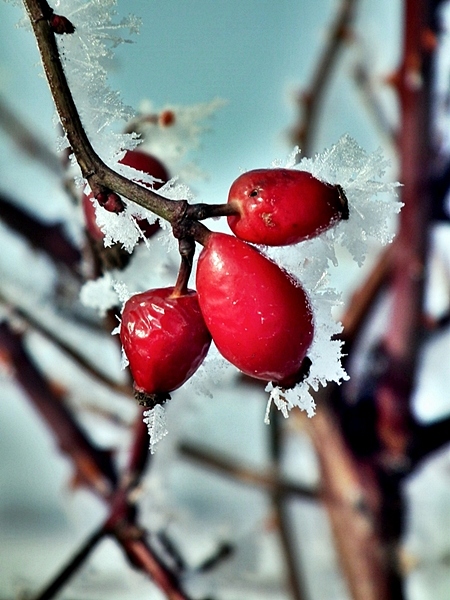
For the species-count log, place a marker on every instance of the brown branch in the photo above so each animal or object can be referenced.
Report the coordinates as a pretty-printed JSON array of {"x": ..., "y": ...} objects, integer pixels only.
[
  {"x": 72, "y": 566},
  {"x": 289, "y": 547},
  {"x": 363, "y": 81},
  {"x": 77, "y": 358},
  {"x": 364, "y": 297},
  {"x": 358, "y": 547},
  {"x": 48, "y": 238},
  {"x": 310, "y": 101},
  {"x": 26, "y": 140},
  {"x": 94, "y": 467},
  {"x": 247, "y": 475},
  {"x": 101, "y": 178}
]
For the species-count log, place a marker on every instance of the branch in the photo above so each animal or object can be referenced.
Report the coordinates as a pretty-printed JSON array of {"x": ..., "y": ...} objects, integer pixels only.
[
  {"x": 358, "y": 547},
  {"x": 94, "y": 466},
  {"x": 77, "y": 358},
  {"x": 246, "y": 475},
  {"x": 26, "y": 140},
  {"x": 48, "y": 238},
  {"x": 310, "y": 100},
  {"x": 101, "y": 178}
]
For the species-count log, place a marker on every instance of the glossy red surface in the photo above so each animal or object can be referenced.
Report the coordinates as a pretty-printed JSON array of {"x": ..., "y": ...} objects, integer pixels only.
[
  {"x": 259, "y": 317},
  {"x": 164, "y": 337},
  {"x": 278, "y": 207}
]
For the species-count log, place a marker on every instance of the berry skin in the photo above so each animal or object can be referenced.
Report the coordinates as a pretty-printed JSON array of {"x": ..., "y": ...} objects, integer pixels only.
[
  {"x": 164, "y": 337},
  {"x": 141, "y": 161},
  {"x": 278, "y": 207},
  {"x": 260, "y": 319}
]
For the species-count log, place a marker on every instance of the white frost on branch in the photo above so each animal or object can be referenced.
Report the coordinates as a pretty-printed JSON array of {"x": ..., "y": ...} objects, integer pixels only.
[{"x": 86, "y": 55}]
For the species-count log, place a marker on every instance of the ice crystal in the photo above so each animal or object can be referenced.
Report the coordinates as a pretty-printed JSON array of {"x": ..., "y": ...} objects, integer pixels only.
[
  {"x": 155, "y": 419},
  {"x": 99, "y": 294},
  {"x": 86, "y": 55},
  {"x": 372, "y": 202}
]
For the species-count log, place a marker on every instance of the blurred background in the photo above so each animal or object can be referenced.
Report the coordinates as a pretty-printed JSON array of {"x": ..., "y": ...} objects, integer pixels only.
[{"x": 353, "y": 503}]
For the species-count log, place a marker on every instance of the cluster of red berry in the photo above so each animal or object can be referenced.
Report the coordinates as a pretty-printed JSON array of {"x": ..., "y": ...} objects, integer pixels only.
[{"x": 259, "y": 317}]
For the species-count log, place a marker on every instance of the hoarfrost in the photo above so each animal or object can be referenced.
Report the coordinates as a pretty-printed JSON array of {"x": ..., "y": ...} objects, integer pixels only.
[
  {"x": 360, "y": 175},
  {"x": 86, "y": 55},
  {"x": 99, "y": 294},
  {"x": 155, "y": 419}
]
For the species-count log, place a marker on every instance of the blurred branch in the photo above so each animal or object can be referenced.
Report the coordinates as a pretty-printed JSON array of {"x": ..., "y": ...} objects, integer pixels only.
[
  {"x": 366, "y": 294},
  {"x": 359, "y": 549},
  {"x": 296, "y": 584},
  {"x": 94, "y": 467},
  {"x": 30, "y": 321},
  {"x": 310, "y": 100},
  {"x": 26, "y": 140},
  {"x": 364, "y": 83},
  {"x": 72, "y": 566},
  {"x": 251, "y": 476},
  {"x": 51, "y": 239}
]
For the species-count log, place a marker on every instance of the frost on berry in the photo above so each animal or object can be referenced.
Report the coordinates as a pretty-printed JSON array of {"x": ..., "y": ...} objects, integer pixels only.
[{"x": 155, "y": 419}]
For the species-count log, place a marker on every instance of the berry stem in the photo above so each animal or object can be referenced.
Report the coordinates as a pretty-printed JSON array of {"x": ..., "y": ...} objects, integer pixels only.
[{"x": 186, "y": 247}]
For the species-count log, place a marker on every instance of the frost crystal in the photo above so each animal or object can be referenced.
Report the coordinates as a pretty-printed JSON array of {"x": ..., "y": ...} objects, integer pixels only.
[
  {"x": 372, "y": 207},
  {"x": 360, "y": 175},
  {"x": 155, "y": 419}
]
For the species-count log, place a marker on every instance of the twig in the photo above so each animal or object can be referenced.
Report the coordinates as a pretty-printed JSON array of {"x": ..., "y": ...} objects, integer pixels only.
[
  {"x": 100, "y": 177},
  {"x": 250, "y": 476},
  {"x": 72, "y": 566},
  {"x": 359, "y": 550},
  {"x": 364, "y": 297},
  {"x": 94, "y": 466},
  {"x": 48, "y": 238},
  {"x": 296, "y": 585},
  {"x": 76, "y": 357},
  {"x": 362, "y": 79},
  {"x": 310, "y": 100},
  {"x": 26, "y": 140}
]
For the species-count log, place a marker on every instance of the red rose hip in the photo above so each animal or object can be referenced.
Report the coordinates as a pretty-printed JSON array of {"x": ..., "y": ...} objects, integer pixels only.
[
  {"x": 164, "y": 337},
  {"x": 260, "y": 318},
  {"x": 278, "y": 207}
]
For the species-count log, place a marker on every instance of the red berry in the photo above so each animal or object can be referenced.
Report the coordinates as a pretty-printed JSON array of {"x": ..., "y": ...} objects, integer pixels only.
[
  {"x": 259, "y": 317},
  {"x": 141, "y": 161},
  {"x": 60, "y": 24},
  {"x": 110, "y": 201},
  {"x": 164, "y": 337},
  {"x": 278, "y": 207}
]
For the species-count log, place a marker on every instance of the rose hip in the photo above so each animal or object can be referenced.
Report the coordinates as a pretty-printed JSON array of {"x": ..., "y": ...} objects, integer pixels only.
[
  {"x": 260, "y": 318},
  {"x": 164, "y": 337},
  {"x": 278, "y": 207}
]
